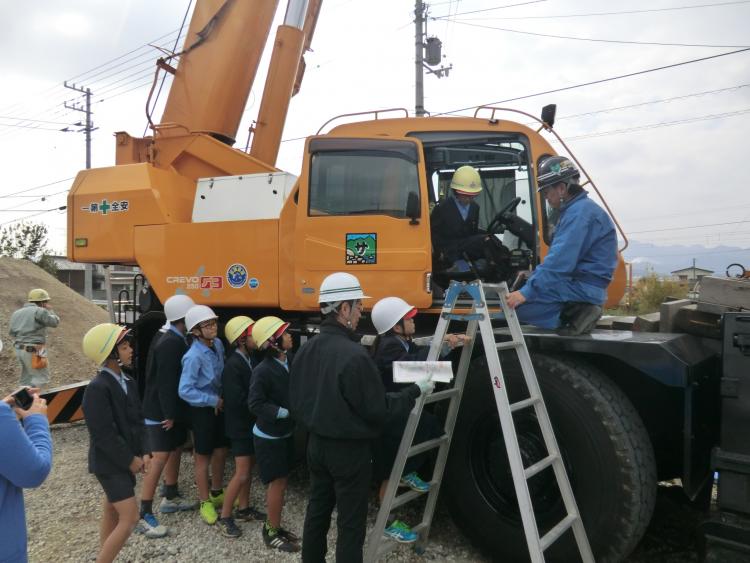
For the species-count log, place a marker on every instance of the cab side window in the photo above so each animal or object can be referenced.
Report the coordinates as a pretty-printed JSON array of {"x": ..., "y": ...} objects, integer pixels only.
[{"x": 362, "y": 177}]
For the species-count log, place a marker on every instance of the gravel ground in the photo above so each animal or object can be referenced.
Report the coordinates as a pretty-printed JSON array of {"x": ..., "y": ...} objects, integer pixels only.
[{"x": 63, "y": 515}]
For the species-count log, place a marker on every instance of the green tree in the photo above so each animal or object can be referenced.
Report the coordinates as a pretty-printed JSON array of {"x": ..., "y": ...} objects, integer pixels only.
[
  {"x": 649, "y": 292},
  {"x": 24, "y": 240},
  {"x": 29, "y": 242}
]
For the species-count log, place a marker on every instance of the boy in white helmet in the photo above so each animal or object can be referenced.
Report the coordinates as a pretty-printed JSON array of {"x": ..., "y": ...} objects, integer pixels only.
[
  {"x": 117, "y": 447},
  {"x": 200, "y": 387},
  {"x": 337, "y": 393},
  {"x": 165, "y": 413}
]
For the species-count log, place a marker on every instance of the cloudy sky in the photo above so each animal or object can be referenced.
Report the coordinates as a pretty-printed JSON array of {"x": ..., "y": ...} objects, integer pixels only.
[{"x": 668, "y": 148}]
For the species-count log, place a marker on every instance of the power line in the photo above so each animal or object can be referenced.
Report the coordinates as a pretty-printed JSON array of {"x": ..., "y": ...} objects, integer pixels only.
[
  {"x": 660, "y": 124},
  {"x": 601, "y": 81},
  {"x": 61, "y": 208},
  {"x": 26, "y": 190},
  {"x": 592, "y": 14},
  {"x": 691, "y": 227},
  {"x": 36, "y": 120},
  {"x": 489, "y": 9},
  {"x": 597, "y": 40}
]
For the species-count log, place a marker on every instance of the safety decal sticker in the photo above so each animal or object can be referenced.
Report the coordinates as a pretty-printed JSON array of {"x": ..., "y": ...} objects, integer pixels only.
[
  {"x": 361, "y": 248},
  {"x": 237, "y": 275},
  {"x": 253, "y": 283},
  {"x": 105, "y": 207}
]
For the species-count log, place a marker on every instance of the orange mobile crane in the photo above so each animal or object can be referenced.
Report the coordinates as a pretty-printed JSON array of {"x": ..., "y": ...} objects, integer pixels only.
[{"x": 231, "y": 230}]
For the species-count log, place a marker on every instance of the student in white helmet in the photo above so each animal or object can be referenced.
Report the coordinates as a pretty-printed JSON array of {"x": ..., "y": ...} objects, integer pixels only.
[
  {"x": 200, "y": 387},
  {"x": 165, "y": 413},
  {"x": 337, "y": 394},
  {"x": 393, "y": 319}
]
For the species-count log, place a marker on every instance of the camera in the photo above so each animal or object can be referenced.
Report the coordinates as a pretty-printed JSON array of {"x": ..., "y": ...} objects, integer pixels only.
[{"x": 23, "y": 398}]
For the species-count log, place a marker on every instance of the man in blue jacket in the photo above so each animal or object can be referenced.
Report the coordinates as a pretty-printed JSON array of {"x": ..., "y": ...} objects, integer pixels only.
[{"x": 568, "y": 289}]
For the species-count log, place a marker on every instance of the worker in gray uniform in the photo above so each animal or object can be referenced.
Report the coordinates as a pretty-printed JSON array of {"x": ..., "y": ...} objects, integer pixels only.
[{"x": 28, "y": 328}]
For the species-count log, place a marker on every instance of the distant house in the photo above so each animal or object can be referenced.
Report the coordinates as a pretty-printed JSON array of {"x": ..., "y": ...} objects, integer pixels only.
[
  {"x": 73, "y": 275},
  {"x": 690, "y": 275}
]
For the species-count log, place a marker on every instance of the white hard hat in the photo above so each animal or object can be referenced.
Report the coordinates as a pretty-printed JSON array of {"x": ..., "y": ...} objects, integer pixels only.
[
  {"x": 197, "y": 315},
  {"x": 340, "y": 286},
  {"x": 177, "y": 306},
  {"x": 389, "y": 311}
]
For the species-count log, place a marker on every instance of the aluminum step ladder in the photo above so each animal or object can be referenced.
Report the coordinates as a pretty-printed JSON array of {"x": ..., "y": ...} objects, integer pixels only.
[{"x": 480, "y": 318}]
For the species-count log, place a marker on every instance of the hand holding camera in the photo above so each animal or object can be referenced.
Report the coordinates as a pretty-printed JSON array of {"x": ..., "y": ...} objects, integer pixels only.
[{"x": 26, "y": 401}]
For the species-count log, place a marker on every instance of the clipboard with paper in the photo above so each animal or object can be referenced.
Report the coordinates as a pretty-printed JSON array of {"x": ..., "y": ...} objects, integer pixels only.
[{"x": 411, "y": 372}]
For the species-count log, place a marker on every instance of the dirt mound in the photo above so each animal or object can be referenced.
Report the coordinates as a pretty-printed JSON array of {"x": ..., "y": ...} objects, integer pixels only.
[{"x": 77, "y": 315}]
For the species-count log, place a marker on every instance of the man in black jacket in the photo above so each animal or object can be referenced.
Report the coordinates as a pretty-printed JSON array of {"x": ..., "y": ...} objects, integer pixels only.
[
  {"x": 337, "y": 394},
  {"x": 454, "y": 223},
  {"x": 165, "y": 413}
]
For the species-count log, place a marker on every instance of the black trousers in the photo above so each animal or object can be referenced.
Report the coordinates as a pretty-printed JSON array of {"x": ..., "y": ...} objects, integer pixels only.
[{"x": 340, "y": 473}]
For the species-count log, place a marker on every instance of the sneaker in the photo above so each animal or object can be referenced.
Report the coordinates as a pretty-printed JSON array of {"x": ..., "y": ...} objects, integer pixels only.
[
  {"x": 273, "y": 539},
  {"x": 208, "y": 512},
  {"x": 249, "y": 514},
  {"x": 289, "y": 536},
  {"x": 415, "y": 483},
  {"x": 228, "y": 528},
  {"x": 218, "y": 500},
  {"x": 176, "y": 504},
  {"x": 400, "y": 532},
  {"x": 149, "y": 526}
]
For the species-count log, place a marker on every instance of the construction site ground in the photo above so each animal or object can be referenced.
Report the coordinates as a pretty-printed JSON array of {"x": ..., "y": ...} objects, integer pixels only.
[{"x": 63, "y": 514}]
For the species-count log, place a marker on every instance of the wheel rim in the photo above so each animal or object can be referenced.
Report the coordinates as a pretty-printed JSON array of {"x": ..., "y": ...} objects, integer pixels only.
[{"x": 491, "y": 472}]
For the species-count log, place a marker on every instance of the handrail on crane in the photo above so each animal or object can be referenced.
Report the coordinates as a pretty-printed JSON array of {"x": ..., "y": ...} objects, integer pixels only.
[
  {"x": 546, "y": 127},
  {"x": 375, "y": 112}
]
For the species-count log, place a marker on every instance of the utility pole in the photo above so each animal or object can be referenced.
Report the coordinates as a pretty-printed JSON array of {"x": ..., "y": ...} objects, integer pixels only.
[
  {"x": 422, "y": 63},
  {"x": 88, "y": 127}
]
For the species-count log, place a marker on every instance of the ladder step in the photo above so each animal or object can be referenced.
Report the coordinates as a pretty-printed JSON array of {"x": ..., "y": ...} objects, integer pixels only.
[
  {"x": 428, "y": 445},
  {"x": 402, "y": 499},
  {"x": 532, "y": 470},
  {"x": 550, "y": 537},
  {"x": 463, "y": 316},
  {"x": 441, "y": 395},
  {"x": 524, "y": 404},
  {"x": 509, "y": 345}
]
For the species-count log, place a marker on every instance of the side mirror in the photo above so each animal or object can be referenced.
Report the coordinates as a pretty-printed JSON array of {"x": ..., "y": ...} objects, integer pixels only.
[
  {"x": 548, "y": 115},
  {"x": 412, "y": 208}
]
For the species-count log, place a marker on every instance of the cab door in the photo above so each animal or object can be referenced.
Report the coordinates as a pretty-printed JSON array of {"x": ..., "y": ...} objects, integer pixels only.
[{"x": 362, "y": 207}]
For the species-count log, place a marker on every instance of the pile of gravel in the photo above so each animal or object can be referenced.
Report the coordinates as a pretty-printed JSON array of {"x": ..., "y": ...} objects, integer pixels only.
[{"x": 63, "y": 516}]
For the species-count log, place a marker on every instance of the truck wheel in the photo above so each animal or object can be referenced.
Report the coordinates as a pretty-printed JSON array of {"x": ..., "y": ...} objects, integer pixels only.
[{"x": 606, "y": 449}]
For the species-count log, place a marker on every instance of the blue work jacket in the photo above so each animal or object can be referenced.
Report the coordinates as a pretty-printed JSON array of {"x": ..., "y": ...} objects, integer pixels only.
[
  {"x": 580, "y": 261},
  {"x": 200, "y": 382}
]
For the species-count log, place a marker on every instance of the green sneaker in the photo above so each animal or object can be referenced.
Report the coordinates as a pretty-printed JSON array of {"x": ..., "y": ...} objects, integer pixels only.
[
  {"x": 218, "y": 500},
  {"x": 400, "y": 532},
  {"x": 208, "y": 512}
]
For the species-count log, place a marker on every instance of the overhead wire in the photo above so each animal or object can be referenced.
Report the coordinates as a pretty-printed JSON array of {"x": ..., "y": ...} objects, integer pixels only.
[
  {"x": 597, "y": 14},
  {"x": 597, "y": 40}
]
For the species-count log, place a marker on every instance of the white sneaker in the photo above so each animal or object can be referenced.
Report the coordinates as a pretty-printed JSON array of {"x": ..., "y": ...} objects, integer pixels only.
[{"x": 149, "y": 526}]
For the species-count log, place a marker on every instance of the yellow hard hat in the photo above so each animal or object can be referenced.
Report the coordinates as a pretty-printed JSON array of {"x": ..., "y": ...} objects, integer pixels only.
[
  {"x": 268, "y": 328},
  {"x": 236, "y": 327},
  {"x": 99, "y": 341},
  {"x": 38, "y": 295},
  {"x": 466, "y": 181}
]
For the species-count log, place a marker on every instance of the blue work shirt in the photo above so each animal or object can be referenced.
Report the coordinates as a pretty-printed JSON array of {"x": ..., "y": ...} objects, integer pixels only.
[
  {"x": 578, "y": 266},
  {"x": 463, "y": 208},
  {"x": 200, "y": 381}
]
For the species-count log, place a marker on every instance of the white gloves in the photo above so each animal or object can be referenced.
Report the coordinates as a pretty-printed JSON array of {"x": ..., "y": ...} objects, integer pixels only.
[{"x": 425, "y": 386}]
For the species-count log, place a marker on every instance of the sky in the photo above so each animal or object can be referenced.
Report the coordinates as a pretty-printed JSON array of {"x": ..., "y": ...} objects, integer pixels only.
[{"x": 667, "y": 148}]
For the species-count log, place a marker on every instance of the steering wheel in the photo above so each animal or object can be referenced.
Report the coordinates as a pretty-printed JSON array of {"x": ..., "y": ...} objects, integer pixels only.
[{"x": 494, "y": 225}]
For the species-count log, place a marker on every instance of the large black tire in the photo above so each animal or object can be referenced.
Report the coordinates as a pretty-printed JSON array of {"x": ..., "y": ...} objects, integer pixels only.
[{"x": 605, "y": 446}]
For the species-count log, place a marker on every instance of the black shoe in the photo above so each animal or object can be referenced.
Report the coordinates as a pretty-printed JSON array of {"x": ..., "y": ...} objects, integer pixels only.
[
  {"x": 274, "y": 540},
  {"x": 228, "y": 528},
  {"x": 287, "y": 535},
  {"x": 249, "y": 514},
  {"x": 578, "y": 318}
]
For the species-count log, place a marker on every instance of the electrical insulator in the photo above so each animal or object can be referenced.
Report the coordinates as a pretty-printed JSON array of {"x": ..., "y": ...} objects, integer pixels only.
[{"x": 433, "y": 51}]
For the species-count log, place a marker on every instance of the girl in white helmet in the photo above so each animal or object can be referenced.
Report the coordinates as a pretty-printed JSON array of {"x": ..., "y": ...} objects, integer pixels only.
[{"x": 393, "y": 318}]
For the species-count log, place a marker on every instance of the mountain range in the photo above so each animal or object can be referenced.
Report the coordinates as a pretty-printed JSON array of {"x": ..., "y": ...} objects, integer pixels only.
[{"x": 647, "y": 257}]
